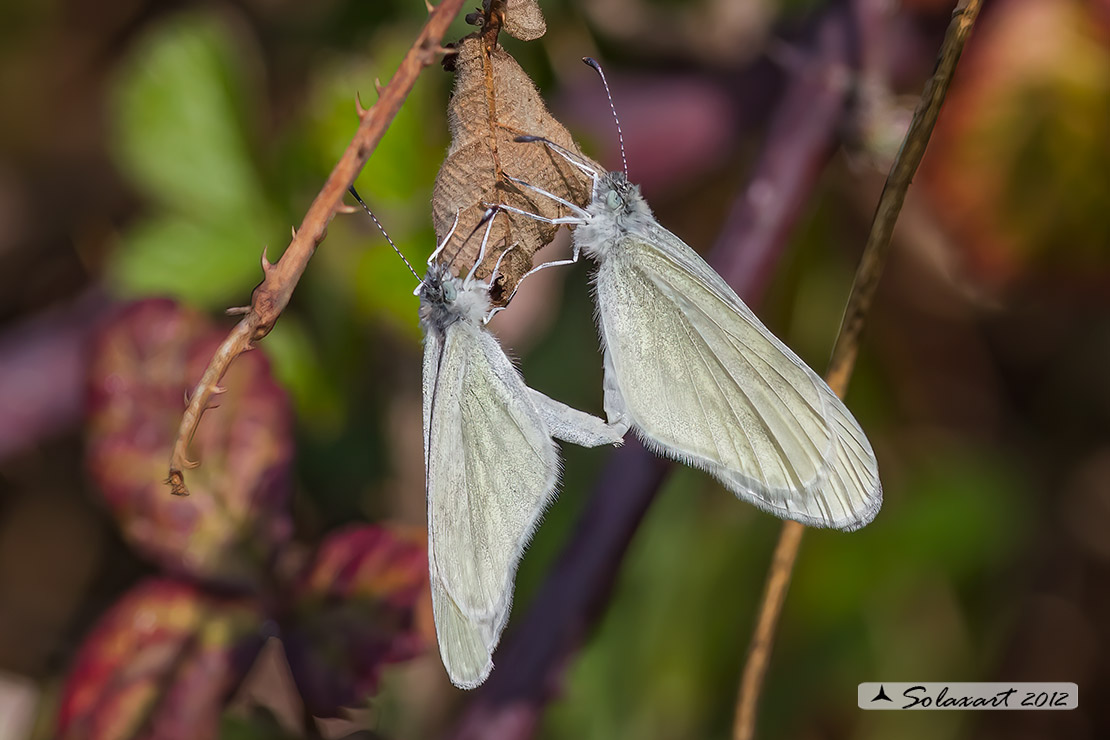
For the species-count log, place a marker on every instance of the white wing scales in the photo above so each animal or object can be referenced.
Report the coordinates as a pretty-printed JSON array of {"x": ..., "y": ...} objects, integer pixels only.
[
  {"x": 491, "y": 471},
  {"x": 705, "y": 382},
  {"x": 465, "y": 645}
]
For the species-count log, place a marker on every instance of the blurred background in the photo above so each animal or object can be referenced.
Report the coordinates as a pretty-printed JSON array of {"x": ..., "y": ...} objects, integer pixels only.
[{"x": 149, "y": 150}]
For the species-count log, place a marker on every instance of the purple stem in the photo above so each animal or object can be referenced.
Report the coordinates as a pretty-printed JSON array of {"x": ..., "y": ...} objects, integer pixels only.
[
  {"x": 803, "y": 132},
  {"x": 43, "y": 362}
]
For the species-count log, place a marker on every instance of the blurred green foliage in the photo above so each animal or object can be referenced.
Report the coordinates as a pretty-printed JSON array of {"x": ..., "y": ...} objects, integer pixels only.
[
  {"x": 182, "y": 126},
  {"x": 259, "y": 725},
  {"x": 664, "y": 663},
  {"x": 1058, "y": 123},
  {"x": 1024, "y": 171},
  {"x": 218, "y": 189},
  {"x": 185, "y": 123},
  {"x": 916, "y": 595}
]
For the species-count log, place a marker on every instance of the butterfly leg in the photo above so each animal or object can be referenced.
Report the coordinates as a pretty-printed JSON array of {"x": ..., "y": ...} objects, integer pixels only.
[
  {"x": 488, "y": 218},
  {"x": 555, "y": 263},
  {"x": 577, "y": 220},
  {"x": 572, "y": 207},
  {"x": 575, "y": 159},
  {"x": 442, "y": 244},
  {"x": 572, "y": 425},
  {"x": 537, "y": 268},
  {"x": 572, "y": 220}
]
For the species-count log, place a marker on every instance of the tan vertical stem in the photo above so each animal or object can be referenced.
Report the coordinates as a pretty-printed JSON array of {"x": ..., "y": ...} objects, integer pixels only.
[{"x": 846, "y": 349}]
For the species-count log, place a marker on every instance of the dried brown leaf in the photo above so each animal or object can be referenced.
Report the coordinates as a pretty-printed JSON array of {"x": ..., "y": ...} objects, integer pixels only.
[
  {"x": 524, "y": 20},
  {"x": 494, "y": 102}
]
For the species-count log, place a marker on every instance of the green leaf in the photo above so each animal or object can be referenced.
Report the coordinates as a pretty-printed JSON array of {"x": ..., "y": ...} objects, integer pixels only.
[
  {"x": 178, "y": 114},
  {"x": 260, "y": 724},
  {"x": 296, "y": 360},
  {"x": 206, "y": 264},
  {"x": 401, "y": 171},
  {"x": 384, "y": 285}
]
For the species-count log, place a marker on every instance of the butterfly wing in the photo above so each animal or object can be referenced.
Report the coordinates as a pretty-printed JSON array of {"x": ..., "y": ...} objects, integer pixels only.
[
  {"x": 465, "y": 645},
  {"x": 491, "y": 470},
  {"x": 706, "y": 383}
]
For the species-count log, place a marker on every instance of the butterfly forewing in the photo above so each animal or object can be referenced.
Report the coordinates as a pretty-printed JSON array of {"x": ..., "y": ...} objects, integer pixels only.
[
  {"x": 493, "y": 471},
  {"x": 465, "y": 645},
  {"x": 704, "y": 381}
]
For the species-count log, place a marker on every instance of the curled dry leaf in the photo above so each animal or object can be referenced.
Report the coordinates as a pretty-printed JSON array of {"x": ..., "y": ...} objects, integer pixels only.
[
  {"x": 357, "y": 608},
  {"x": 493, "y": 103},
  {"x": 159, "y": 665},
  {"x": 524, "y": 20},
  {"x": 142, "y": 365}
]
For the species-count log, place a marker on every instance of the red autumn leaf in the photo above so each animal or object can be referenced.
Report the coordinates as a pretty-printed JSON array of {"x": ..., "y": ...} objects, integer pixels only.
[
  {"x": 358, "y": 608},
  {"x": 160, "y": 665},
  {"x": 144, "y": 361}
]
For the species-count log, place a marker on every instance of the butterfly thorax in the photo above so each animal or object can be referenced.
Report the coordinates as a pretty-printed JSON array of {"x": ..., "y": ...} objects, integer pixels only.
[
  {"x": 617, "y": 210},
  {"x": 445, "y": 299}
]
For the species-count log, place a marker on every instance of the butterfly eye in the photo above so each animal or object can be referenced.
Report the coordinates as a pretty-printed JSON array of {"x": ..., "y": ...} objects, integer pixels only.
[
  {"x": 449, "y": 292},
  {"x": 613, "y": 200}
]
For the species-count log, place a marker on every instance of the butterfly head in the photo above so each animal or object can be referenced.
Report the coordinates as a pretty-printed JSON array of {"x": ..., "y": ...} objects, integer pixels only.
[
  {"x": 619, "y": 198},
  {"x": 445, "y": 298},
  {"x": 617, "y": 208}
]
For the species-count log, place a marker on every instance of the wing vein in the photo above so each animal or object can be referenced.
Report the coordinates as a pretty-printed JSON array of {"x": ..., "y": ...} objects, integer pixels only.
[{"x": 732, "y": 410}]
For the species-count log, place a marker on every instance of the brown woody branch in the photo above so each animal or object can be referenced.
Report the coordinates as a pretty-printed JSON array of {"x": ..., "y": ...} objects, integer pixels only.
[
  {"x": 273, "y": 293},
  {"x": 846, "y": 349}
]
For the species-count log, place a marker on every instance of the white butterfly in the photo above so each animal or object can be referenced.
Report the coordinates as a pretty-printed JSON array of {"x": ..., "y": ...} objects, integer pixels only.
[
  {"x": 700, "y": 379},
  {"x": 491, "y": 464}
]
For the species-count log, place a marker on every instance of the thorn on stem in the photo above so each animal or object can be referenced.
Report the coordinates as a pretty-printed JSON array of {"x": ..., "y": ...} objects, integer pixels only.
[
  {"x": 266, "y": 264},
  {"x": 237, "y": 310},
  {"x": 378, "y": 86},
  {"x": 176, "y": 482},
  {"x": 431, "y": 8},
  {"x": 359, "y": 108}
]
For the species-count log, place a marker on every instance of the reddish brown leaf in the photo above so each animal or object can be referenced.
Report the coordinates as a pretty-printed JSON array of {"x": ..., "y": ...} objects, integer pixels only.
[
  {"x": 143, "y": 363},
  {"x": 159, "y": 665},
  {"x": 359, "y": 608}
]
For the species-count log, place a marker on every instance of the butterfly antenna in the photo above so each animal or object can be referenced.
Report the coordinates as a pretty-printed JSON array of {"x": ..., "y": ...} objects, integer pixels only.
[
  {"x": 382, "y": 229},
  {"x": 620, "y": 134}
]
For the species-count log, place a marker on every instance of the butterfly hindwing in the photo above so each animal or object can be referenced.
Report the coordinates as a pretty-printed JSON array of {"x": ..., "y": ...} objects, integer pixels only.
[{"x": 705, "y": 382}]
